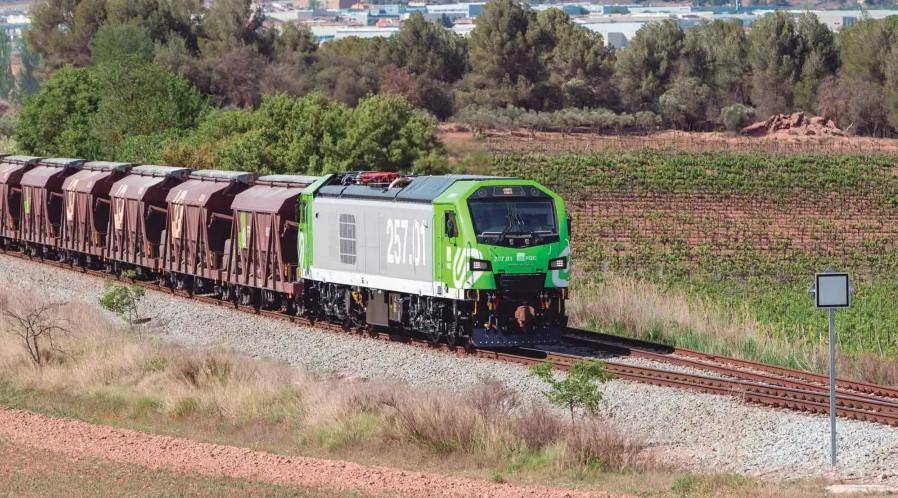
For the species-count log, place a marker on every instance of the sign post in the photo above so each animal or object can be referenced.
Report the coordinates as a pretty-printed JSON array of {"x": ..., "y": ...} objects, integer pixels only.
[{"x": 832, "y": 290}]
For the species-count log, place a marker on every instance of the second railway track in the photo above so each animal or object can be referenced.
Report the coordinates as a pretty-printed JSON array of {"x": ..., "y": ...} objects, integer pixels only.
[{"x": 749, "y": 381}]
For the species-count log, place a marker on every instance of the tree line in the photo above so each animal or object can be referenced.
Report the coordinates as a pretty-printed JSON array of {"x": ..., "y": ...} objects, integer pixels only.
[{"x": 178, "y": 79}]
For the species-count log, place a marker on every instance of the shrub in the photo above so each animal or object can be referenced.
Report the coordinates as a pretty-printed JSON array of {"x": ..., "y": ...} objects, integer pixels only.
[
  {"x": 481, "y": 118},
  {"x": 124, "y": 301},
  {"x": 737, "y": 116},
  {"x": 576, "y": 390}
]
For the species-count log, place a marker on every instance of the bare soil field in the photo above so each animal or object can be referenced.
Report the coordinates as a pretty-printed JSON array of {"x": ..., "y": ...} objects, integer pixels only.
[{"x": 79, "y": 440}]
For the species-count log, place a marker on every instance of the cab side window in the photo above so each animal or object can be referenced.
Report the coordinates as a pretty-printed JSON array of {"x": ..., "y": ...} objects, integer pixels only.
[{"x": 451, "y": 225}]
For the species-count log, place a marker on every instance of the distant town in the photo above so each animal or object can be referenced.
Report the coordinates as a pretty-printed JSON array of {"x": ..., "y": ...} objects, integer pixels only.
[{"x": 336, "y": 19}]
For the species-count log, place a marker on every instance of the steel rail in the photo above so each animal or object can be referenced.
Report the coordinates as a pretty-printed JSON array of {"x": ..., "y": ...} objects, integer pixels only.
[{"x": 736, "y": 367}]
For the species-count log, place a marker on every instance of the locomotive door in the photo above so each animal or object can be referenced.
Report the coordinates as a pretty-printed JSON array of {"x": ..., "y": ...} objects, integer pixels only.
[{"x": 446, "y": 248}]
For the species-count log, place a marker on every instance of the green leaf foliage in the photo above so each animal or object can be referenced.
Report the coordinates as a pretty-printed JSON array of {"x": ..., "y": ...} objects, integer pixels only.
[
  {"x": 123, "y": 300},
  {"x": 57, "y": 120},
  {"x": 141, "y": 99},
  {"x": 648, "y": 65},
  {"x": 385, "y": 132},
  {"x": 121, "y": 44},
  {"x": 578, "y": 390}
]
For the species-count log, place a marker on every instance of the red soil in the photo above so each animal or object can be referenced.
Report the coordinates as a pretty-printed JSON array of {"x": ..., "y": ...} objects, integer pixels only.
[{"x": 81, "y": 439}]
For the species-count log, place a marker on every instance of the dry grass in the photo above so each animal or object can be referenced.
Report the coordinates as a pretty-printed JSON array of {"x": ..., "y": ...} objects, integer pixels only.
[
  {"x": 98, "y": 358},
  {"x": 649, "y": 311},
  {"x": 106, "y": 367}
]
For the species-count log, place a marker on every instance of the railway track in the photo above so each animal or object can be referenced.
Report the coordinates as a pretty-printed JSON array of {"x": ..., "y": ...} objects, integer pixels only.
[
  {"x": 749, "y": 381},
  {"x": 753, "y": 381}
]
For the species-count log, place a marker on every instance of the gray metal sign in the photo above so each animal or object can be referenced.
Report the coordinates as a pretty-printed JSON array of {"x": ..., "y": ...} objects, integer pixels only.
[{"x": 831, "y": 291}]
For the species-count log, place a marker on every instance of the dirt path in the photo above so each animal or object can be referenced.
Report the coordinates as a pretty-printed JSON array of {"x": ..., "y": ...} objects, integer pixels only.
[{"x": 81, "y": 439}]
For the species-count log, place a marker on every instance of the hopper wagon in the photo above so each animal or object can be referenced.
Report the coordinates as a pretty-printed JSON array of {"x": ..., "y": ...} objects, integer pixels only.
[{"x": 11, "y": 170}]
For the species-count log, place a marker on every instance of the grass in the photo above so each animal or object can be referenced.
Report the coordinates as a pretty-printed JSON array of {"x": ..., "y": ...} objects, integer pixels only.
[{"x": 723, "y": 321}]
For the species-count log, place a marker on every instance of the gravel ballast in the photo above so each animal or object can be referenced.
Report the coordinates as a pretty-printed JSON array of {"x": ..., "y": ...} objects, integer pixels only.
[{"x": 700, "y": 432}]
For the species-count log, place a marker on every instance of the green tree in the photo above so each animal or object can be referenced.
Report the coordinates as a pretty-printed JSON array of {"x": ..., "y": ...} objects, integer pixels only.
[
  {"x": 647, "y": 66},
  {"x": 295, "y": 46},
  {"x": 7, "y": 80},
  {"x": 230, "y": 24},
  {"x": 121, "y": 44},
  {"x": 385, "y": 132},
  {"x": 775, "y": 54},
  {"x": 285, "y": 135},
  {"x": 140, "y": 99},
  {"x": 57, "y": 120},
  {"x": 820, "y": 59},
  {"x": 164, "y": 20},
  {"x": 350, "y": 68},
  {"x": 865, "y": 46},
  {"x": 506, "y": 43},
  {"x": 578, "y": 64},
  {"x": 688, "y": 104},
  {"x": 124, "y": 300},
  {"x": 715, "y": 53},
  {"x": 428, "y": 49},
  {"x": 26, "y": 83},
  {"x": 506, "y": 50},
  {"x": 61, "y": 30},
  {"x": 578, "y": 390}
]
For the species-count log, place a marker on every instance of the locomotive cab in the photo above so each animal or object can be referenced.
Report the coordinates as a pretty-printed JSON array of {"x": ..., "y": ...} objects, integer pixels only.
[{"x": 509, "y": 242}]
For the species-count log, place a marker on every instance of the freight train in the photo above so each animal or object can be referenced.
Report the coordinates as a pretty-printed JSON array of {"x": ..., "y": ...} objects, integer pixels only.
[{"x": 469, "y": 260}]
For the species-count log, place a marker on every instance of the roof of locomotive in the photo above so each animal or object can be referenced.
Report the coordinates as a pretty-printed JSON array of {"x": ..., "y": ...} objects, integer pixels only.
[{"x": 421, "y": 188}]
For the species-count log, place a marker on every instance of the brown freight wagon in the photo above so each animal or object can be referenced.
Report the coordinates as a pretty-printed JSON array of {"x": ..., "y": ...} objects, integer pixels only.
[
  {"x": 262, "y": 257},
  {"x": 42, "y": 204},
  {"x": 198, "y": 226},
  {"x": 86, "y": 206},
  {"x": 11, "y": 170},
  {"x": 139, "y": 215}
]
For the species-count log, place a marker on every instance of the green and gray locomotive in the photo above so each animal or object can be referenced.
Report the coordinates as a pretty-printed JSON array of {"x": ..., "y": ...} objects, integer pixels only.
[{"x": 453, "y": 257}]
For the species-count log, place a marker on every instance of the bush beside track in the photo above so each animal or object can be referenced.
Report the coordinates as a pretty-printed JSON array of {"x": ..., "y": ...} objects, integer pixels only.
[{"x": 742, "y": 232}]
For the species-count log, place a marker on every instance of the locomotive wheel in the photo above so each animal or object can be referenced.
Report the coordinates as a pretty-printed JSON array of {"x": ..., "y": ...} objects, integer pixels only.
[
  {"x": 434, "y": 338},
  {"x": 458, "y": 336}
]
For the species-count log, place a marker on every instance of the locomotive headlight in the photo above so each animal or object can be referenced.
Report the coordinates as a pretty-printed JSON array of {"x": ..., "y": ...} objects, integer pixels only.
[
  {"x": 480, "y": 265},
  {"x": 558, "y": 264}
]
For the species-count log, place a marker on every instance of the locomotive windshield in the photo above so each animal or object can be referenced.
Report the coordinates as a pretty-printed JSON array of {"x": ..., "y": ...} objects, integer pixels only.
[{"x": 514, "y": 222}]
